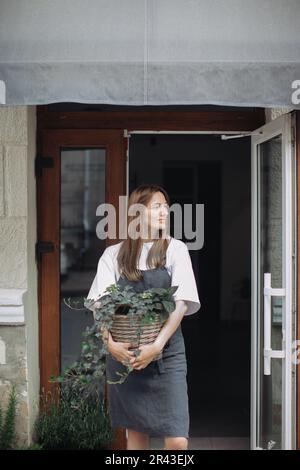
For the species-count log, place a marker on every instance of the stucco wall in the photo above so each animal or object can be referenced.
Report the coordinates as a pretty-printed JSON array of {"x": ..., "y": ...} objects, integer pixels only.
[{"x": 18, "y": 274}]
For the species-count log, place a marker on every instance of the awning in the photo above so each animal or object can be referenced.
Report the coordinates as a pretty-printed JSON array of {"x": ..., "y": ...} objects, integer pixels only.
[{"x": 151, "y": 52}]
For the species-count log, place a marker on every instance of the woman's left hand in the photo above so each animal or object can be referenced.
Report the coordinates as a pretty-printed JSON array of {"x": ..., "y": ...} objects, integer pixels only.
[{"x": 148, "y": 352}]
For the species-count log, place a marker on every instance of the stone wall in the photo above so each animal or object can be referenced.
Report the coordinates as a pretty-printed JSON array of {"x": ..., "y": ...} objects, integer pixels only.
[{"x": 19, "y": 365}]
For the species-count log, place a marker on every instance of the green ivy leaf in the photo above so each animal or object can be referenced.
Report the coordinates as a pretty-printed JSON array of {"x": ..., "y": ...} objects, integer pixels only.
[{"x": 169, "y": 306}]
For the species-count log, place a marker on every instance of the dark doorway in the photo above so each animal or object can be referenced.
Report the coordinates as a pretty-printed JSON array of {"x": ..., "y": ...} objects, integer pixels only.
[{"x": 217, "y": 173}]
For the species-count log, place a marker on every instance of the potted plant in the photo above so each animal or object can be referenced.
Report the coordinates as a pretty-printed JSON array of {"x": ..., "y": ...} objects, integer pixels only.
[{"x": 130, "y": 316}]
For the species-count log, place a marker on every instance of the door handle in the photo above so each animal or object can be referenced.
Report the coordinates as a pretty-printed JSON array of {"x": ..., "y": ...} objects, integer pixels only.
[{"x": 268, "y": 351}]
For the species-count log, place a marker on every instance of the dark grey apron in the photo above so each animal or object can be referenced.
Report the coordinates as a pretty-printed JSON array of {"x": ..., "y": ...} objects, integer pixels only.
[{"x": 153, "y": 400}]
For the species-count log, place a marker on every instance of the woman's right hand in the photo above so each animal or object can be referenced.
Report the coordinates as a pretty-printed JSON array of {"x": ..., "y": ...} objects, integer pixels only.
[{"x": 120, "y": 350}]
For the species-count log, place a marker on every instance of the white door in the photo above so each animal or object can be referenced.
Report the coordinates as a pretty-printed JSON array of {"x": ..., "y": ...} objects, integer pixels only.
[{"x": 273, "y": 285}]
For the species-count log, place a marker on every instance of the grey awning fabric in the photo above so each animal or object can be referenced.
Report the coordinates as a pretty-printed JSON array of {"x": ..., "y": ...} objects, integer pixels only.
[{"x": 150, "y": 52}]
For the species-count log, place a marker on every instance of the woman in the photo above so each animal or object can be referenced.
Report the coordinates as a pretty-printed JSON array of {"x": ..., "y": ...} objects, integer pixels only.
[{"x": 153, "y": 400}]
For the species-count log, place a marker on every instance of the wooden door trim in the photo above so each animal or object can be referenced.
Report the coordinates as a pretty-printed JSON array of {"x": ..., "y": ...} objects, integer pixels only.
[{"x": 233, "y": 120}]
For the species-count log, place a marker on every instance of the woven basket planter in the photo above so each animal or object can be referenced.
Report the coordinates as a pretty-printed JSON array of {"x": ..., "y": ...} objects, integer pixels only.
[{"x": 126, "y": 330}]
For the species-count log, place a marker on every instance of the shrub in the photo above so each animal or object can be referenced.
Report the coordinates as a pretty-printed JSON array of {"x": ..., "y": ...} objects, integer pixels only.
[
  {"x": 7, "y": 422},
  {"x": 73, "y": 422}
]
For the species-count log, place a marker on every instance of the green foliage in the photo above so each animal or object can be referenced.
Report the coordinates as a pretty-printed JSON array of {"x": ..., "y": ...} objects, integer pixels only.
[
  {"x": 84, "y": 375},
  {"x": 7, "y": 422},
  {"x": 73, "y": 422},
  {"x": 144, "y": 306}
]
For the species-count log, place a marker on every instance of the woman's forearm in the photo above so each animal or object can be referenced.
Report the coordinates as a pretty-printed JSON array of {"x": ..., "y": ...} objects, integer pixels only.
[{"x": 171, "y": 324}]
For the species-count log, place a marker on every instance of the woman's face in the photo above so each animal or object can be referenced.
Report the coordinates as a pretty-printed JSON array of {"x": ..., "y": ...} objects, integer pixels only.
[{"x": 156, "y": 213}]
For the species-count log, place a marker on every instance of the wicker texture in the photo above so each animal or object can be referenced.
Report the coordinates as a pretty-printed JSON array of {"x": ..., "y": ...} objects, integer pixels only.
[{"x": 125, "y": 330}]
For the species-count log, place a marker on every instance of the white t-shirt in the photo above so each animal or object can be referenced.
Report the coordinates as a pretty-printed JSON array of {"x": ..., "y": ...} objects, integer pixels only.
[{"x": 178, "y": 265}]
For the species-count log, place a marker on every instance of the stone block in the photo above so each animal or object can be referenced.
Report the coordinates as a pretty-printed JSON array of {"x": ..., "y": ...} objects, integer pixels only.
[
  {"x": 13, "y": 124},
  {"x": 15, "y": 186},
  {"x": 13, "y": 241}
]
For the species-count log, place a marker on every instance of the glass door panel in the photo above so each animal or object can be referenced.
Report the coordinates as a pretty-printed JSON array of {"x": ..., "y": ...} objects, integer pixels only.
[
  {"x": 82, "y": 190},
  {"x": 273, "y": 286},
  {"x": 270, "y": 225}
]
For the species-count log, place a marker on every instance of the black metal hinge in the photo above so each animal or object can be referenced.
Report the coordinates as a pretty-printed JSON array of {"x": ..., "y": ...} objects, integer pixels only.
[
  {"x": 41, "y": 163},
  {"x": 43, "y": 247}
]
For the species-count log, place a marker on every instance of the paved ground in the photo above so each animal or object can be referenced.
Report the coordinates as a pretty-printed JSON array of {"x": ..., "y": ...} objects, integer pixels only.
[{"x": 210, "y": 443}]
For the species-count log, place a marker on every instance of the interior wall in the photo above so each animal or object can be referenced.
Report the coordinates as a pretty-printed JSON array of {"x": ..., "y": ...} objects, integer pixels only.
[{"x": 235, "y": 158}]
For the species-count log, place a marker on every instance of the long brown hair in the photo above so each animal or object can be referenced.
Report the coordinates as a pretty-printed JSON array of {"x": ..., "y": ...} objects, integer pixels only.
[{"x": 130, "y": 250}]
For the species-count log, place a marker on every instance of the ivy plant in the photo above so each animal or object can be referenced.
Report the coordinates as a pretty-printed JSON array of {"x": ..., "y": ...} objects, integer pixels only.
[{"x": 141, "y": 307}]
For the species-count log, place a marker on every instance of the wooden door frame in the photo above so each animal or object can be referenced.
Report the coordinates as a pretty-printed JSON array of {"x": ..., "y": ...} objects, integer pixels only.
[
  {"x": 167, "y": 119},
  {"x": 49, "y": 266}
]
